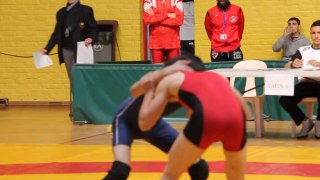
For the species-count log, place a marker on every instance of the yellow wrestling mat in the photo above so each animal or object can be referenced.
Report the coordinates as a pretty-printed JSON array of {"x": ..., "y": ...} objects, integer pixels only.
[{"x": 92, "y": 161}]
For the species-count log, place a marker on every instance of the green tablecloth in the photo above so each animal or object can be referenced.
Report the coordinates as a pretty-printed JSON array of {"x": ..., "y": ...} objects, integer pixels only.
[{"x": 99, "y": 88}]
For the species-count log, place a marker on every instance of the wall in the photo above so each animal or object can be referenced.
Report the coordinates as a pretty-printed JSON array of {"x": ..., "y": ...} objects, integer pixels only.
[
  {"x": 27, "y": 25},
  {"x": 264, "y": 23}
]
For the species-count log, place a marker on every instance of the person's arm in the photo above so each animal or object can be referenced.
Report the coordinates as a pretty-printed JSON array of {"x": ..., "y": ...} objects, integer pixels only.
[
  {"x": 314, "y": 63},
  {"x": 295, "y": 62},
  {"x": 175, "y": 18},
  {"x": 151, "y": 16},
  {"x": 52, "y": 41},
  {"x": 91, "y": 27},
  {"x": 153, "y": 105},
  {"x": 208, "y": 25},
  {"x": 241, "y": 23},
  {"x": 279, "y": 44},
  {"x": 141, "y": 86}
]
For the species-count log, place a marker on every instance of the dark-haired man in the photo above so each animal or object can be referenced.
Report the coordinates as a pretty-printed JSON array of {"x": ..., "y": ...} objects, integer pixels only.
[
  {"x": 305, "y": 57},
  {"x": 224, "y": 24},
  {"x": 162, "y": 135},
  {"x": 291, "y": 40}
]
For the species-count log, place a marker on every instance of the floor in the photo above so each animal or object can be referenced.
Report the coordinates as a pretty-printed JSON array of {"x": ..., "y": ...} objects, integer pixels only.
[{"x": 41, "y": 142}]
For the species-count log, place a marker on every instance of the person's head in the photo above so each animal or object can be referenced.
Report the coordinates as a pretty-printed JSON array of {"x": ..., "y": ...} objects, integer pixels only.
[
  {"x": 195, "y": 62},
  {"x": 294, "y": 25},
  {"x": 222, "y": 2},
  {"x": 71, "y": 1},
  {"x": 315, "y": 33}
]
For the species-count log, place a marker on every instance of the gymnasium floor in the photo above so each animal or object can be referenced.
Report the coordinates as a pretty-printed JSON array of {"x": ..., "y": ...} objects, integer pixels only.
[{"x": 40, "y": 142}]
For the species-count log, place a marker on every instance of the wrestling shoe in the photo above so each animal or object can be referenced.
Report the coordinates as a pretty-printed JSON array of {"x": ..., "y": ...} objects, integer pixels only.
[
  {"x": 307, "y": 125},
  {"x": 317, "y": 129}
]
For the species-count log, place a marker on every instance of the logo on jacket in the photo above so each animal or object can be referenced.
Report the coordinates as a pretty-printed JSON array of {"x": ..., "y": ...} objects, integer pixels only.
[{"x": 233, "y": 19}]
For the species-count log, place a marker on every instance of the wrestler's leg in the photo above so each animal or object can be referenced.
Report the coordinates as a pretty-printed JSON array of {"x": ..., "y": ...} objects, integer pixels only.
[
  {"x": 235, "y": 164},
  {"x": 181, "y": 156}
]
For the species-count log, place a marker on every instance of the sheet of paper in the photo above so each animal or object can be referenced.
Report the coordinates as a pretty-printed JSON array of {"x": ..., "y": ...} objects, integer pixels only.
[
  {"x": 84, "y": 53},
  {"x": 279, "y": 84},
  {"x": 41, "y": 60}
]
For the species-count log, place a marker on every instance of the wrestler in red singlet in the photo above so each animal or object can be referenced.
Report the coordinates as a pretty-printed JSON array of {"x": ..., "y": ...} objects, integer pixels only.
[{"x": 215, "y": 117}]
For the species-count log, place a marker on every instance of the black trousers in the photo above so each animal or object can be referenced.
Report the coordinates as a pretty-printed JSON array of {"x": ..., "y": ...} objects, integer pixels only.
[
  {"x": 301, "y": 90},
  {"x": 235, "y": 55},
  {"x": 187, "y": 47}
]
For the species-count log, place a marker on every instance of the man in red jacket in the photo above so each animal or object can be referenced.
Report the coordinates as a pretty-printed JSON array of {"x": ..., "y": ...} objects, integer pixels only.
[
  {"x": 224, "y": 24},
  {"x": 164, "y": 18}
]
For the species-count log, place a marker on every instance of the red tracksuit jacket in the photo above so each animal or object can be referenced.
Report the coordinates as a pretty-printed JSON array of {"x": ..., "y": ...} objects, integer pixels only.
[{"x": 229, "y": 23}]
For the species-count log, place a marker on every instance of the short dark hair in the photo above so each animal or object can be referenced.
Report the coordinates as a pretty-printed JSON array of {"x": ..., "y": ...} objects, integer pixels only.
[
  {"x": 316, "y": 23},
  {"x": 196, "y": 63},
  {"x": 294, "y": 19}
]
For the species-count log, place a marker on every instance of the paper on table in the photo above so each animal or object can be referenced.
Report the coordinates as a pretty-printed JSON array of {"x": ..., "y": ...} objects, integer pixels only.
[
  {"x": 41, "y": 60},
  {"x": 277, "y": 83},
  {"x": 84, "y": 53}
]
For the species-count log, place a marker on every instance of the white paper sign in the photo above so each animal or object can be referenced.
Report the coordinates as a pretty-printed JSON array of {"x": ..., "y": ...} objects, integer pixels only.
[
  {"x": 84, "y": 53},
  {"x": 279, "y": 84},
  {"x": 41, "y": 60}
]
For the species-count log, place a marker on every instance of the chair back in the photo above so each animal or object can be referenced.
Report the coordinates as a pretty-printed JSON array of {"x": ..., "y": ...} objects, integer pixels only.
[{"x": 250, "y": 81}]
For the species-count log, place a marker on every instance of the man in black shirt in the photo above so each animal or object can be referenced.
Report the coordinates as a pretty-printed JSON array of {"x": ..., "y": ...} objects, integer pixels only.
[{"x": 75, "y": 22}]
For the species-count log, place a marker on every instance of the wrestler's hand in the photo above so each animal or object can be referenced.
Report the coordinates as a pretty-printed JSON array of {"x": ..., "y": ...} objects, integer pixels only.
[
  {"x": 147, "y": 79},
  {"x": 142, "y": 85}
]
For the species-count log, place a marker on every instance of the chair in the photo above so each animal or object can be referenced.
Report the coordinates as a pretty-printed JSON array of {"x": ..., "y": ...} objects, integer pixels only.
[
  {"x": 309, "y": 102},
  {"x": 251, "y": 96}
]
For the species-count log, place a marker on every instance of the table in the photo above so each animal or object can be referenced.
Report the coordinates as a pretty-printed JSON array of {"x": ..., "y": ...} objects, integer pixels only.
[
  {"x": 262, "y": 72},
  {"x": 99, "y": 88}
]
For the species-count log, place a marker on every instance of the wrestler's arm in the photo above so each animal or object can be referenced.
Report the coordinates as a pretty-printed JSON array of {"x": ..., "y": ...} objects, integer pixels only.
[
  {"x": 141, "y": 86},
  {"x": 155, "y": 100}
]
